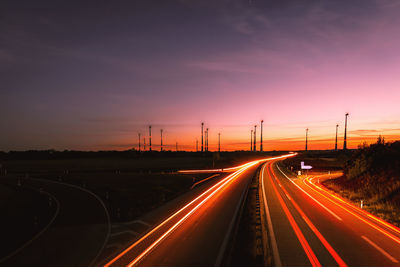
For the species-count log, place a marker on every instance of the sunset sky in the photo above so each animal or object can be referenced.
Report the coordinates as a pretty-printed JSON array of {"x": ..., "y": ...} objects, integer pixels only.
[{"x": 92, "y": 76}]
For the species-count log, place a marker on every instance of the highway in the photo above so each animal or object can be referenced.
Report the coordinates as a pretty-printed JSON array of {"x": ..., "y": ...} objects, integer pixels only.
[
  {"x": 197, "y": 234},
  {"x": 310, "y": 226}
]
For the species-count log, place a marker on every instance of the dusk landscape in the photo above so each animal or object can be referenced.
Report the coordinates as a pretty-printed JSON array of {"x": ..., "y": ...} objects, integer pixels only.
[{"x": 200, "y": 133}]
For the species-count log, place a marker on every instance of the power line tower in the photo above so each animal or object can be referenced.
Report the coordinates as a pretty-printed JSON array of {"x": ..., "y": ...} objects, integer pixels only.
[
  {"x": 337, "y": 126},
  {"x": 161, "y": 146},
  {"x": 261, "y": 141},
  {"x": 150, "y": 138},
  {"x": 219, "y": 142},
  {"x": 345, "y": 132},
  {"x": 255, "y": 135},
  {"x": 251, "y": 140},
  {"x": 306, "y": 139},
  {"x": 139, "y": 141},
  {"x": 202, "y": 132}
]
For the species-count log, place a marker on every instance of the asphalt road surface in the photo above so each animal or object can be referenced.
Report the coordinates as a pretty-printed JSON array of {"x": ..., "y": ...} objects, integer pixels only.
[
  {"x": 312, "y": 227},
  {"x": 199, "y": 233},
  {"x": 75, "y": 237}
]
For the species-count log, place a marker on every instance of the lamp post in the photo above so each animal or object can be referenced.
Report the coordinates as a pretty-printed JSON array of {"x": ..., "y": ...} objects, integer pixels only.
[
  {"x": 150, "y": 138},
  {"x": 345, "y": 132},
  {"x": 161, "y": 146},
  {"x": 139, "y": 141},
  {"x": 337, "y": 126},
  {"x": 202, "y": 132},
  {"x": 306, "y": 139},
  {"x": 219, "y": 142},
  {"x": 255, "y": 135},
  {"x": 261, "y": 138},
  {"x": 251, "y": 142}
]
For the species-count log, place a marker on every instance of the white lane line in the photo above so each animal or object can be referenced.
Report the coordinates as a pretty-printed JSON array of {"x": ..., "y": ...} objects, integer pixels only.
[
  {"x": 328, "y": 210},
  {"x": 228, "y": 234},
  {"x": 274, "y": 245},
  {"x": 380, "y": 249}
]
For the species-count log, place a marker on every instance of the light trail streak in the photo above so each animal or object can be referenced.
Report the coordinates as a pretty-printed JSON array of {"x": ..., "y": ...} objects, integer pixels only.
[
  {"x": 326, "y": 244},
  {"x": 138, "y": 258},
  {"x": 231, "y": 169},
  {"x": 394, "y": 238},
  {"x": 306, "y": 247},
  {"x": 217, "y": 187},
  {"x": 366, "y": 213}
]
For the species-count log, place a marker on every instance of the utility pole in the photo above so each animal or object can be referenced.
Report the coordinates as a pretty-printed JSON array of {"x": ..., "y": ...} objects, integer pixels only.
[
  {"x": 202, "y": 132},
  {"x": 161, "y": 131},
  {"x": 345, "y": 132},
  {"x": 261, "y": 141},
  {"x": 219, "y": 142},
  {"x": 337, "y": 126},
  {"x": 306, "y": 139},
  {"x": 139, "y": 141},
  {"x": 150, "y": 138},
  {"x": 197, "y": 145},
  {"x": 251, "y": 142},
  {"x": 255, "y": 135},
  {"x": 144, "y": 143}
]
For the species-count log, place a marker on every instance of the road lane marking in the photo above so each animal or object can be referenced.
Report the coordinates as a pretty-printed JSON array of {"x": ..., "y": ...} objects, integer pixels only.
[
  {"x": 204, "y": 180},
  {"x": 303, "y": 241},
  {"x": 380, "y": 249},
  {"x": 326, "y": 244},
  {"x": 223, "y": 182},
  {"x": 328, "y": 210},
  {"x": 275, "y": 252},
  {"x": 394, "y": 238},
  {"x": 167, "y": 220},
  {"x": 230, "y": 228},
  {"x": 171, "y": 229},
  {"x": 379, "y": 220},
  {"x": 37, "y": 235}
]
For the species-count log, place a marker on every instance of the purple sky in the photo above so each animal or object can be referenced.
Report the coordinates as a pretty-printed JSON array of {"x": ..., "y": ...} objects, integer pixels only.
[{"x": 91, "y": 76}]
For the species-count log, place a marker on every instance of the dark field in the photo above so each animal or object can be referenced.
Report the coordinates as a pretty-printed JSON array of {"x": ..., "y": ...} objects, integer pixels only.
[{"x": 130, "y": 184}]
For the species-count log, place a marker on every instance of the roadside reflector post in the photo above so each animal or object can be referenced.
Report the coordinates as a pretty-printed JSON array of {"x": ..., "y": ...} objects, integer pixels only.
[{"x": 361, "y": 205}]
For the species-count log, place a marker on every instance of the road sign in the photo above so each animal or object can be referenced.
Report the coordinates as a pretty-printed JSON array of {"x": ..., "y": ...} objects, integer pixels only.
[{"x": 305, "y": 167}]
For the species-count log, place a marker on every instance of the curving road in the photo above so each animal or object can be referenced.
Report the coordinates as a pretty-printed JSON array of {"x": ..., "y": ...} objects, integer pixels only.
[
  {"x": 312, "y": 227},
  {"x": 197, "y": 234},
  {"x": 77, "y": 234}
]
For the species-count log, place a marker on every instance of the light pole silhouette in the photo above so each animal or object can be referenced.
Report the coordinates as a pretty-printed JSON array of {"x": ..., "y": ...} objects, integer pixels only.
[
  {"x": 139, "y": 141},
  {"x": 207, "y": 140},
  {"x": 345, "y": 132},
  {"x": 219, "y": 142},
  {"x": 197, "y": 145},
  {"x": 255, "y": 135},
  {"x": 306, "y": 139},
  {"x": 144, "y": 143},
  {"x": 202, "y": 132},
  {"x": 261, "y": 138},
  {"x": 337, "y": 126},
  {"x": 161, "y": 146},
  {"x": 150, "y": 138},
  {"x": 251, "y": 142}
]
